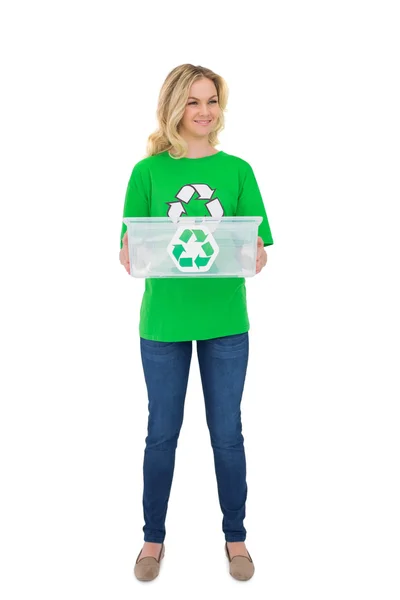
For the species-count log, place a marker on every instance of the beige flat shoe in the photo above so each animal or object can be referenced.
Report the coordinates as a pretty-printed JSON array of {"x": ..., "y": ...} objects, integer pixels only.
[
  {"x": 147, "y": 568},
  {"x": 240, "y": 567}
]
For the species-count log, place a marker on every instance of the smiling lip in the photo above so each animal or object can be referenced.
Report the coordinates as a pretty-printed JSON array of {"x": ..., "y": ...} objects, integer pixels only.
[{"x": 202, "y": 122}]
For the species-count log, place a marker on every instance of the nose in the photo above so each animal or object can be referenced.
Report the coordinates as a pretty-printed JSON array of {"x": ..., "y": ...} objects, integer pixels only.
[{"x": 204, "y": 112}]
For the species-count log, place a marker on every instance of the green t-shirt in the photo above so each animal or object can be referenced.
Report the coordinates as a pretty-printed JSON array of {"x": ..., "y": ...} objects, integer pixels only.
[{"x": 187, "y": 308}]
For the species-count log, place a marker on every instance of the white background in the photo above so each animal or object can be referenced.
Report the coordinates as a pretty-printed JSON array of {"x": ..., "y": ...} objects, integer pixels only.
[{"x": 314, "y": 107}]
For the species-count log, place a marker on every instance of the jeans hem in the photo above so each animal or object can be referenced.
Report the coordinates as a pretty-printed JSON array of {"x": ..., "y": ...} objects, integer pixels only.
[{"x": 153, "y": 540}]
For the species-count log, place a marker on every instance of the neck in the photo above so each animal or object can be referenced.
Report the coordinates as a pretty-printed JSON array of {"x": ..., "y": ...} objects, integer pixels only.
[{"x": 197, "y": 148}]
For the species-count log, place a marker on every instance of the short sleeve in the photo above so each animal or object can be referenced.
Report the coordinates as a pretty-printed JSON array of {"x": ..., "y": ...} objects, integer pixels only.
[
  {"x": 250, "y": 204},
  {"x": 136, "y": 199}
]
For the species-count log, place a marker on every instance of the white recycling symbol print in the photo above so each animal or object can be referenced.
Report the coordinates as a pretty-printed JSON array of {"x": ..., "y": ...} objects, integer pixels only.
[{"x": 185, "y": 195}]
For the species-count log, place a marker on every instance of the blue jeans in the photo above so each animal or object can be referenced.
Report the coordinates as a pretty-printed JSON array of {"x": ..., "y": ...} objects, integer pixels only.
[{"x": 223, "y": 363}]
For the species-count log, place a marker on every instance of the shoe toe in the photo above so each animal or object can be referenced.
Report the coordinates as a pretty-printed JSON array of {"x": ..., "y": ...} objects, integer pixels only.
[
  {"x": 241, "y": 568},
  {"x": 147, "y": 569}
]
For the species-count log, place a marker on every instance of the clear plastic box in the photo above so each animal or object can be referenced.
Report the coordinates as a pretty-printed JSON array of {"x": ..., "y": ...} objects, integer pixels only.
[{"x": 192, "y": 246}]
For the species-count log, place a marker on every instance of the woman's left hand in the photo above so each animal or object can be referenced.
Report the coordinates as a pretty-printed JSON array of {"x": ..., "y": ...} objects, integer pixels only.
[{"x": 261, "y": 255}]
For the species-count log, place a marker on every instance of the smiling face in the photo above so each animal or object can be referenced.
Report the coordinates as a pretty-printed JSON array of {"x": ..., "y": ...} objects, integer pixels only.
[{"x": 202, "y": 110}]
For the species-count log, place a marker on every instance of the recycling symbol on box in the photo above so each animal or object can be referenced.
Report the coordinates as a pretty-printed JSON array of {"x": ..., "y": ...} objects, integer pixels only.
[{"x": 193, "y": 250}]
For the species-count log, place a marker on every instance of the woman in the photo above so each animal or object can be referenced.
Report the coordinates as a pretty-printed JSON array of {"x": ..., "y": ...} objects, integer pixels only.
[{"x": 184, "y": 174}]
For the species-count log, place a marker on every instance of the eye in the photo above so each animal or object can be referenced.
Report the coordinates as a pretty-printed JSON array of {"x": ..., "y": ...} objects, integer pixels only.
[{"x": 194, "y": 102}]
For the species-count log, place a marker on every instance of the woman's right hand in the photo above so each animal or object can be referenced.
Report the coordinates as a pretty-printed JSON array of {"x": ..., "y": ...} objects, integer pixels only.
[{"x": 124, "y": 253}]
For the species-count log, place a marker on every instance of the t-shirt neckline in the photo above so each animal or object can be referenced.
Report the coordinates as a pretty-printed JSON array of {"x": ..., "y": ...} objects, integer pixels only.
[{"x": 200, "y": 157}]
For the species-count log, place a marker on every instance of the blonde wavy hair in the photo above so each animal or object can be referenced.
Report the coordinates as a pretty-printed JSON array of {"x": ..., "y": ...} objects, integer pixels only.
[{"x": 171, "y": 106}]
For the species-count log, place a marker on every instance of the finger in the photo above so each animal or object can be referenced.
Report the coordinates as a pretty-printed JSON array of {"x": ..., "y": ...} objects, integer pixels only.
[{"x": 260, "y": 242}]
